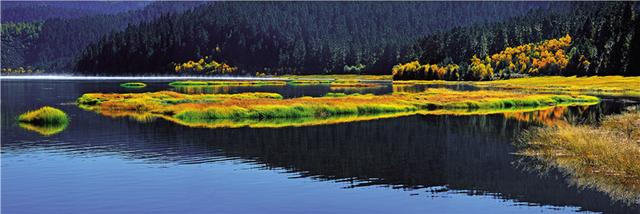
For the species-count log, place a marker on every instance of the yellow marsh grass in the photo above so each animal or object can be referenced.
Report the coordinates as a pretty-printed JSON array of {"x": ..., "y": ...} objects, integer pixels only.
[
  {"x": 596, "y": 85},
  {"x": 606, "y": 158},
  {"x": 204, "y": 108}
]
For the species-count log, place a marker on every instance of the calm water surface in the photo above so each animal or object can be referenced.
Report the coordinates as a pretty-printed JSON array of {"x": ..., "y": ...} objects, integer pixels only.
[{"x": 410, "y": 164}]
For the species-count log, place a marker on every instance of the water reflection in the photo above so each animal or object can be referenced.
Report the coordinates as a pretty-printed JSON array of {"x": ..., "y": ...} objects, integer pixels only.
[
  {"x": 471, "y": 154},
  {"x": 287, "y": 91},
  {"x": 45, "y": 129},
  {"x": 416, "y": 88}
]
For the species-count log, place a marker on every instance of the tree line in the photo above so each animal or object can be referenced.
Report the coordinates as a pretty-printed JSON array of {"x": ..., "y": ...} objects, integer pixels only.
[
  {"x": 592, "y": 39},
  {"x": 289, "y": 37}
]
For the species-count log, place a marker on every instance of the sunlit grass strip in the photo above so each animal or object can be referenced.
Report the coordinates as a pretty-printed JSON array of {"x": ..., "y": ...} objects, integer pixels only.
[
  {"x": 605, "y": 157},
  {"x": 340, "y": 77},
  {"x": 227, "y": 83},
  {"x": 45, "y": 121},
  {"x": 200, "y": 108},
  {"x": 595, "y": 85},
  {"x": 133, "y": 85},
  {"x": 601, "y": 85}
]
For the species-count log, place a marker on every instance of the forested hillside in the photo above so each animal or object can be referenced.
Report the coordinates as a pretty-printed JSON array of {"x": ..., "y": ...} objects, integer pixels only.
[
  {"x": 595, "y": 39},
  {"x": 291, "y": 37},
  {"x": 16, "y": 40},
  {"x": 56, "y": 43}
]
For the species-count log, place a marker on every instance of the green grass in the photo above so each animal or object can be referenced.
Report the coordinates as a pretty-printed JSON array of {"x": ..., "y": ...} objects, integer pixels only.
[
  {"x": 133, "y": 85},
  {"x": 603, "y": 157},
  {"x": 43, "y": 116}
]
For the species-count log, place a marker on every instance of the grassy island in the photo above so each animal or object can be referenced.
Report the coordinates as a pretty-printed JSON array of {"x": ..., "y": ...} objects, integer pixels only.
[
  {"x": 264, "y": 108},
  {"x": 603, "y": 157},
  {"x": 46, "y": 120}
]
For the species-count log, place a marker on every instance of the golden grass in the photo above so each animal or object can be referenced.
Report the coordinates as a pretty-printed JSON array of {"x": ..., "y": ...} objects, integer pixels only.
[
  {"x": 606, "y": 158},
  {"x": 602, "y": 85},
  {"x": 595, "y": 85},
  {"x": 268, "y": 107}
]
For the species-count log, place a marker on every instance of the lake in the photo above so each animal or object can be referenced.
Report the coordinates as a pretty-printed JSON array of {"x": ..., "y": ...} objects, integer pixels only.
[{"x": 421, "y": 163}]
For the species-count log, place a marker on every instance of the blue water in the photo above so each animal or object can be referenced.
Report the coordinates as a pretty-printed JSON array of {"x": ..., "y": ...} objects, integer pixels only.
[{"x": 417, "y": 164}]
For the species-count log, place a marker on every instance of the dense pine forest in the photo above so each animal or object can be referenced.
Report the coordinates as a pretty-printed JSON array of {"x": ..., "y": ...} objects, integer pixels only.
[{"x": 291, "y": 37}]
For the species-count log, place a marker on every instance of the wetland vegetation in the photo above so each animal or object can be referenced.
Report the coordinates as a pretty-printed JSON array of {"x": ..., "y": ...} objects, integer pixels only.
[
  {"x": 200, "y": 108},
  {"x": 604, "y": 157}
]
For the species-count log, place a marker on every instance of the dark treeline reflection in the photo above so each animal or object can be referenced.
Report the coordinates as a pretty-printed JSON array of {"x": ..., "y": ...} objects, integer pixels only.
[{"x": 471, "y": 154}]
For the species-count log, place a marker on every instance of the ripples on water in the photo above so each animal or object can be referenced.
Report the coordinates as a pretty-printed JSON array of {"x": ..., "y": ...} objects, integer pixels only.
[{"x": 407, "y": 164}]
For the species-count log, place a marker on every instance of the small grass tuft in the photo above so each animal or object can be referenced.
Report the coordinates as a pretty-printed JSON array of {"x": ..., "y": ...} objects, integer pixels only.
[
  {"x": 45, "y": 121},
  {"x": 44, "y": 116}
]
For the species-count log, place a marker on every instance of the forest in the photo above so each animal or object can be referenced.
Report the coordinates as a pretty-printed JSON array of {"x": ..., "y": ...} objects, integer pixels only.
[
  {"x": 591, "y": 39},
  {"x": 289, "y": 38},
  {"x": 459, "y": 40},
  {"x": 52, "y": 41}
]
